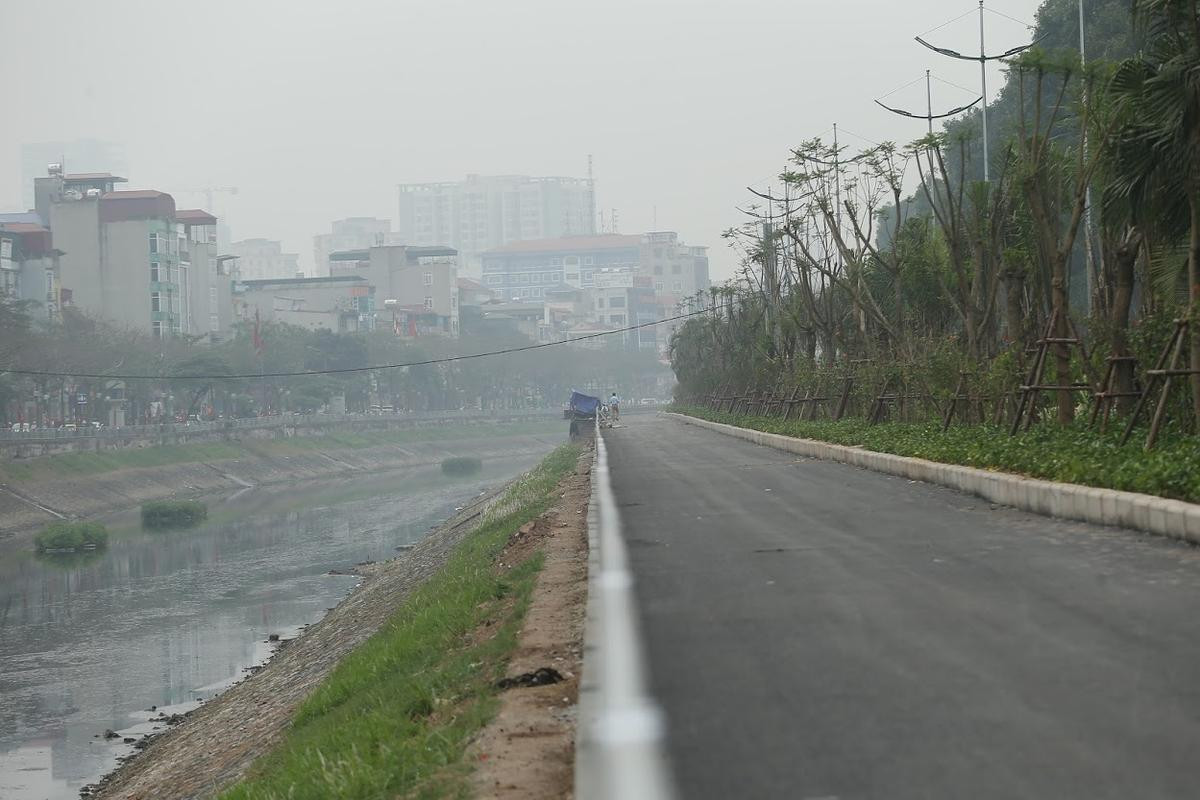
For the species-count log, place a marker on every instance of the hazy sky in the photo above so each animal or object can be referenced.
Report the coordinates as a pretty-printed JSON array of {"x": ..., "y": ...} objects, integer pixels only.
[{"x": 316, "y": 110}]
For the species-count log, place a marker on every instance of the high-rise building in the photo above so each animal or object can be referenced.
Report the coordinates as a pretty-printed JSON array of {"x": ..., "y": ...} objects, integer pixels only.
[
  {"x": 76, "y": 155},
  {"x": 630, "y": 280},
  {"x": 352, "y": 233},
  {"x": 260, "y": 259},
  {"x": 484, "y": 212}
]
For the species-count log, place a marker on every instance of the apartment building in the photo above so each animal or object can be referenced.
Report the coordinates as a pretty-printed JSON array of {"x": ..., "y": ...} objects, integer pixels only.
[
  {"x": 339, "y": 303},
  {"x": 534, "y": 269},
  {"x": 28, "y": 264},
  {"x": 420, "y": 282},
  {"x": 205, "y": 279},
  {"x": 484, "y": 212},
  {"x": 129, "y": 256}
]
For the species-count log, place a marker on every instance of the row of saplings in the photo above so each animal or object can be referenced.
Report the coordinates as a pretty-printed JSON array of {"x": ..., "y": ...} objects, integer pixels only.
[{"x": 74, "y": 537}]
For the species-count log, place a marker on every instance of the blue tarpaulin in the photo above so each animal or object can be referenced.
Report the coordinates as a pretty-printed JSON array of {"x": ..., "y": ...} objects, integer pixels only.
[{"x": 584, "y": 404}]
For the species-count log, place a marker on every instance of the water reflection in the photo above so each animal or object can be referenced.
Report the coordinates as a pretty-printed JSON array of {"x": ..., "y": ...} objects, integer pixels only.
[{"x": 166, "y": 618}]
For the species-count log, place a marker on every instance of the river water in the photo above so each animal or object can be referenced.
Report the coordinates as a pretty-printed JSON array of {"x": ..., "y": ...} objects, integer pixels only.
[{"x": 166, "y": 619}]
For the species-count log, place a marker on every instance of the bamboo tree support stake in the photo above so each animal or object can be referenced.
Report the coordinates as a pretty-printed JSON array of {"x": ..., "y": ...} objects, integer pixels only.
[{"x": 1172, "y": 351}]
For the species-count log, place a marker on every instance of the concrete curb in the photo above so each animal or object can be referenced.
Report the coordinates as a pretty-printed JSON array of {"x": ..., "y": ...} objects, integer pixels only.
[{"x": 1141, "y": 512}]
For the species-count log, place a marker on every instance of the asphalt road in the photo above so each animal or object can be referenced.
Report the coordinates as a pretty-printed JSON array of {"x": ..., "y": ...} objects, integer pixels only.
[{"x": 819, "y": 631}]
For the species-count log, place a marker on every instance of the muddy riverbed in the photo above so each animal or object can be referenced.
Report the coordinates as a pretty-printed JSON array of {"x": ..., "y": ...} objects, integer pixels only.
[{"x": 163, "y": 620}]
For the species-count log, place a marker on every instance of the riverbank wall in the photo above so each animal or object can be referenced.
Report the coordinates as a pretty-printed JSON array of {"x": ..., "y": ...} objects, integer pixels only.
[
  {"x": 41, "y": 491},
  {"x": 17, "y": 446}
]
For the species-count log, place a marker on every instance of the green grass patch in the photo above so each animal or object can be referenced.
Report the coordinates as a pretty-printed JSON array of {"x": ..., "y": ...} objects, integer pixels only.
[
  {"x": 462, "y": 465},
  {"x": 395, "y": 717},
  {"x": 71, "y": 536},
  {"x": 71, "y": 465},
  {"x": 173, "y": 513},
  {"x": 1073, "y": 454}
]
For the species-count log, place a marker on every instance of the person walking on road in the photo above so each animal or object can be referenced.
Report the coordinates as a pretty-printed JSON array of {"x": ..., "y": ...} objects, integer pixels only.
[{"x": 614, "y": 404}]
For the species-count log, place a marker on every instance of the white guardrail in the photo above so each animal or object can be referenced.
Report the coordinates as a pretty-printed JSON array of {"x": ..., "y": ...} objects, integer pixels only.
[{"x": 619, "y": 754}]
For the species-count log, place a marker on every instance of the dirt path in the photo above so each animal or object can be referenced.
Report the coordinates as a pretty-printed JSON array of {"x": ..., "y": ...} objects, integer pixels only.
[
  {"x": 216, "y": 743},
  {"x": 528, "y": 750}
]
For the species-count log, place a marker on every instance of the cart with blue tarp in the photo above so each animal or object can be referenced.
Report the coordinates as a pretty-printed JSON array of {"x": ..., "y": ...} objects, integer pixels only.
[{"x": 582, "y": 410}]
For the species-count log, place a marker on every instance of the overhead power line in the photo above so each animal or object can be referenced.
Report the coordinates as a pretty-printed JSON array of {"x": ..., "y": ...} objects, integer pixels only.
[{"x": 345, "y": 370}]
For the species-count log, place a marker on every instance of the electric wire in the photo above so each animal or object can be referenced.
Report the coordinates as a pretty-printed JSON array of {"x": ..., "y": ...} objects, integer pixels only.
[
  {"x": 948, "y": 22},
  {"x": 346, "y": 370}
]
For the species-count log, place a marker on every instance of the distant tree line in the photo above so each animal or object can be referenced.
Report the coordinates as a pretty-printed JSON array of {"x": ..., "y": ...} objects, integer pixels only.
[{"x": 542, "y": 377}]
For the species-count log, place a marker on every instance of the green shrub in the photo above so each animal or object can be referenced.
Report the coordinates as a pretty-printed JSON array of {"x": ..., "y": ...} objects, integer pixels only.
[
  {"x": 1072, "y": 454},
  {"x": 172, "y": 513},
  {"x": 71, "y": 536},
  {"x": 462, "y": 465}
]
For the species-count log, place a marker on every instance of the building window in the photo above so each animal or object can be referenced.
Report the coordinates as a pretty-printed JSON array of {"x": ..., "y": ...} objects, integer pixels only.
[
  {"x": 495, "y": 280},
  {"x": 679, "y": 286},
  {"x": 212, "y": 297},
  {"x": 174, "y": 303},
  {"x": 429, "y": 302},
  {"x": 658, "y": 286},
  {"x": 214, "y": 322},
  {"x": 156, "y": 329},
  {"x": 156, "y": 303},
  {"x": 599, "y": 302},
  {"x": 587, "y": 261},
  {"x": 155, "y": 271},
  {"x": 156, "y": 243},
  {"x": 537, "y": 292},
  {"x": 617, "y": 319},
  {"x": 658, "y": 269},
  {"x": 427, "y": 279},
  {"x": 587, "y": 274},
  {"x": 616, "y": 302}
]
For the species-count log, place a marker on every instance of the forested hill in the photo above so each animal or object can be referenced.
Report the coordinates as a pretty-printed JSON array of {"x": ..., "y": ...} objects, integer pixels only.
[{"x": 1108, "y": 36}]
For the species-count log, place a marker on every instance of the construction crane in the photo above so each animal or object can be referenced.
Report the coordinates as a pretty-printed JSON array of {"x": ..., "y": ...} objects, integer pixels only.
[{"x": 208, "y": 192}]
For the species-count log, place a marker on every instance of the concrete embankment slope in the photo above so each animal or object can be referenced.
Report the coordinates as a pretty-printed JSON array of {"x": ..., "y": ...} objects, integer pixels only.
[
  {"x": 44, "y": 490},
  {"x": 818, "y": 630}
]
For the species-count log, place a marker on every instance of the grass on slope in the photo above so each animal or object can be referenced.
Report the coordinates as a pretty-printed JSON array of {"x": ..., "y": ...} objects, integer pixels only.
[
  {"x": 395, "y": 717},
  {"x": 67, "y": 465},
  {"x": 1073, "y": 454}
]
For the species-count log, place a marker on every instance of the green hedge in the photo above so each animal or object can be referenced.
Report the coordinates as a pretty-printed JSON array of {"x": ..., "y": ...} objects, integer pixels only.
[
  {"x": 1072, "y": 454},
  {"x": 173, "y": 513},
  {"x": 71, "y": 536},
  {"x": 462, "y": 465}
]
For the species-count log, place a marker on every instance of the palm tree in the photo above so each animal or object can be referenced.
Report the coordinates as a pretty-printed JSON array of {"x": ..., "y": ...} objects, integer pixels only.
[{"x": 1157, "y": 164}]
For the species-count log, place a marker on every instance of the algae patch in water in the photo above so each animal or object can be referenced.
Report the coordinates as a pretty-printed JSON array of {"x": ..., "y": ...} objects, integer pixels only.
[
  {"x": 173, "y": 513},
  {"x": 462, "y": 465}
]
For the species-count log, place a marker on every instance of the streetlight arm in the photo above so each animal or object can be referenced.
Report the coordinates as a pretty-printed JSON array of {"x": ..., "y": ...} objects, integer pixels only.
[
  {"x": 999, "y": 56},
  {"x": 949, "y": 113}
]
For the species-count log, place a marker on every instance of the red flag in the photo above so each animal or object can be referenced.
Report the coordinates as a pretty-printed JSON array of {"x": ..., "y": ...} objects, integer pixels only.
[{"x": 258, "y": 342}]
